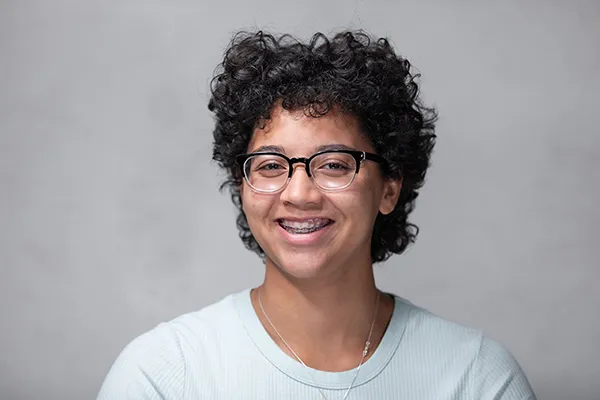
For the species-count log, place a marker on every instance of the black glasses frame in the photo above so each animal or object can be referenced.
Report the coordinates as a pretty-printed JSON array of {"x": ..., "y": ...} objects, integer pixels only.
[{"x": 359, "y": 157}]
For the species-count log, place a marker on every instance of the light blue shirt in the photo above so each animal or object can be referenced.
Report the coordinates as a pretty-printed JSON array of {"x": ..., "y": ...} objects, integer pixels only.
[{"x": 224, "y": 352}]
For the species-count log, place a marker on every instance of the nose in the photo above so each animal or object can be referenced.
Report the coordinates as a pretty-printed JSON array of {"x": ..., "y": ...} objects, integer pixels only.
[{"x": 300, "y": 190}]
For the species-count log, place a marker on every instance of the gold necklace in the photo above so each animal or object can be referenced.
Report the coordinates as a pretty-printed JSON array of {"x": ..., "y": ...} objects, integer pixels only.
[{"x": 364, "y": 352}]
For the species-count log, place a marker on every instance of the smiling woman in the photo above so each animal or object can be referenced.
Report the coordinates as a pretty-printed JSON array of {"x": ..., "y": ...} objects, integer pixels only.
[{"x": 325, "y": 144}]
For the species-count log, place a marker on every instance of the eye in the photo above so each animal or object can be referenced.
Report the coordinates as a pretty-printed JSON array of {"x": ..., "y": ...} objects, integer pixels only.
[
  {"x": 335, "y": 165},
  {"x": 270, "y": 166}
]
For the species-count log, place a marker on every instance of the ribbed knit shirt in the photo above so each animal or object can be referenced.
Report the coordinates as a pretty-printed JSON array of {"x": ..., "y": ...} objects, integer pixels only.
[{"x": 223, "y": 352}]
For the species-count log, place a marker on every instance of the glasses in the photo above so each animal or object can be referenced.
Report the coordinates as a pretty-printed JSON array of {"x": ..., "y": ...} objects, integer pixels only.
[{"x": 330, "y": 170}]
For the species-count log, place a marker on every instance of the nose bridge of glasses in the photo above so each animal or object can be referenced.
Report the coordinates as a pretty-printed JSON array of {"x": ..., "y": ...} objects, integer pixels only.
[{"x": 305, "y": 162}]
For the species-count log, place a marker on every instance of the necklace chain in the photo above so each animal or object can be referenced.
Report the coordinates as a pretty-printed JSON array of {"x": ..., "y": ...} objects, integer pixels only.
[{"x": 362, "y": 359}]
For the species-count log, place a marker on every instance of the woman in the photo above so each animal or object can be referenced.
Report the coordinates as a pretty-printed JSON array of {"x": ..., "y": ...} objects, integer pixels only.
[{"x": 325, "y": 145}]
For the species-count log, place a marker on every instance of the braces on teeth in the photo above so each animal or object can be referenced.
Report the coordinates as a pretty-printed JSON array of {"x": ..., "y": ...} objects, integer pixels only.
[{"x": 303, "y": 229}]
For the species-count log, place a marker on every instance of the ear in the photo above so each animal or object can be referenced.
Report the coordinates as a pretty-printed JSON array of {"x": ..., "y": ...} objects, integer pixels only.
[{"x": 390, "y": 195}]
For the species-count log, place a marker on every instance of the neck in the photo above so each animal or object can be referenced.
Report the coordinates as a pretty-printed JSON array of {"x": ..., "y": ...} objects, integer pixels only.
[{"x": 325, "y": 322}]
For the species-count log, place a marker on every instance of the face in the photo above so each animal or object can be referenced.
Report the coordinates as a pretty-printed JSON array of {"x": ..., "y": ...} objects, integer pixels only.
[{"x": 305, "y": 231}]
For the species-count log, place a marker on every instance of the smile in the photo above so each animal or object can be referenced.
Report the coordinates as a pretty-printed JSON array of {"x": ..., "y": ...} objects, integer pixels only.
[{"x": 304, "y": 227}]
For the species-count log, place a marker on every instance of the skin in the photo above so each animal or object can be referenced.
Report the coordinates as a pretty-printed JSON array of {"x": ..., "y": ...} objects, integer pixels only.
[{"x": 320, "y": 295}]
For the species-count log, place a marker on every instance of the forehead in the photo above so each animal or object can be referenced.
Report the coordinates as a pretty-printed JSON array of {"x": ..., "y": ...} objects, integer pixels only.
[{"x": 296, "y": 132}]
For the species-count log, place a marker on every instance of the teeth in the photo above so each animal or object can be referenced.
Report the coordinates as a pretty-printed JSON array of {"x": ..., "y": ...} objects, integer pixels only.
[{"x": 307, "y": 226}]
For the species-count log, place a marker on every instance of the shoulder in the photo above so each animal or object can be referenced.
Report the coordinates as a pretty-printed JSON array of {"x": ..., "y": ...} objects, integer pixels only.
[
  {"x": 211, "y": 320},
  {"x": 488, "y": 368},
  {"x": 154, "y": 364},
  {"x": 151, "y": 366},
  {"x": 497, "y": 373},
  {"x": 436, "y": 332}
]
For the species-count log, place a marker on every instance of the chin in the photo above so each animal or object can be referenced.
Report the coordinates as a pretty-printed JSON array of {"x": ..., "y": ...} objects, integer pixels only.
[{"x": 301, "y": 266}]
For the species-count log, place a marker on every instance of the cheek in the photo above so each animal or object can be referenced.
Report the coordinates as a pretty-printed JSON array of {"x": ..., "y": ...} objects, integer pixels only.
[
  {"x": 373, "y": 192},
  {"x": 358, "y": 206},
  {"x": 255, "y": 207}
]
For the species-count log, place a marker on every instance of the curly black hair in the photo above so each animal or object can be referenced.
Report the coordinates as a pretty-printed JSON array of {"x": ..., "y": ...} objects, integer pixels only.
[{"x": 352, "y": 71}]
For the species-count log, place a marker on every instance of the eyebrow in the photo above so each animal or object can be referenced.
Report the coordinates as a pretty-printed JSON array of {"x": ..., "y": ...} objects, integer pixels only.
[
  {"x": 280, "y": 149},
  {"x": 334, "y": 147},
  {"x": 269, "y": 148}
]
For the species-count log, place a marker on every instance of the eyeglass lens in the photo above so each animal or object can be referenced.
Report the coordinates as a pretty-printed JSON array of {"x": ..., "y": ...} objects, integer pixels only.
[{"x": 329, "y": 171}]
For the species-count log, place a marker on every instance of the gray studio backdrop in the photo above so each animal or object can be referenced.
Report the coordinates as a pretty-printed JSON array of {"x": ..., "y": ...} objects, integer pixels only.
[{"x": 110, "y": 215}]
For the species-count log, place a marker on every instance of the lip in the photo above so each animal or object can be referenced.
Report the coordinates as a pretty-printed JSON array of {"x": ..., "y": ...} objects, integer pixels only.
[
  {"x": 305, "y": 239},
  {"x": 303, "y": 219}
]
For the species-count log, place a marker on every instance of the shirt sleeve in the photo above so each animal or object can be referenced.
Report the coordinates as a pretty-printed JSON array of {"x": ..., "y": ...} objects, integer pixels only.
[
  {"x": 150, "y": 367},
  {"x": 498, "y": 376}
]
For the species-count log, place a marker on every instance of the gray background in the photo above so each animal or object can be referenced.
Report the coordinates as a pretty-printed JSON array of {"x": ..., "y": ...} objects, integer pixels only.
[{"x": 111, "y": 221}]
